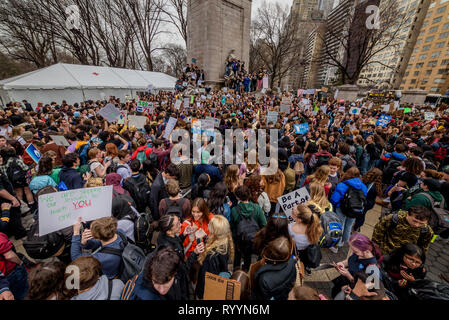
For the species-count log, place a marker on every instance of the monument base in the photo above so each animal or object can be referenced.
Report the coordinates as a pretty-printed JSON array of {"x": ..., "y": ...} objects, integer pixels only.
[
  {"x": 416, "y": 97},
  {"x": 348, "y": 92}
]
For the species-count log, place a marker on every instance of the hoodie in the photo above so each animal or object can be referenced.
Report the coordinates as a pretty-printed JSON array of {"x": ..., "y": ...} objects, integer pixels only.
[
  {"x": 421, "y": 200},
  {"x": 246, "y": 210},
  {"x": 342, "y": 188},
  {"x": 71, "y": 178},
  {"x": 101, "y": 289}
]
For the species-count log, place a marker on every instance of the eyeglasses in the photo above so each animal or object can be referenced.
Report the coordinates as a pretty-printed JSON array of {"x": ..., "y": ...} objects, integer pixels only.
[{"x": 411, "y": 260}]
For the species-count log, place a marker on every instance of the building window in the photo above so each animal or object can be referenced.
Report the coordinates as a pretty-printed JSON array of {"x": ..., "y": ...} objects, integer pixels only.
[
  {"x": 433, "y": 89},
  {"x": 443, "y": 71},
  {"x": 412, "y": 58},
  {"x": 419, "y": 41},
  {"x": 430, "y": 39},
  {"x": 434, "y": 29},
  {"x": 403, "y": 81},
  {"x": 425, "y": 48},
  {"x": 406, "y": 74},
  {"x": 423, "y": 56},
  {"x": 416, "y": 73},
  {"x": 424, "y": 81},
  {"x": 413, "y": 81},
  {"x": 436, "y": 54},
  {"x": 442, "y": 9},
  {"x": 445, "y": 62},
  {"x": 425, "y": 23},
  {"x": 446, "y": 26},
  {"x": 439, "y": 80},
  {"x": 419, "y": 65},
  {"x": 436, "y": 20},
  {"x": 444, "y": 35},
  {"x": 439, "y": 45},
  {"x": 428, "y": 72},
  {"x": 432, "y": 63},
  {"x": 416, "y": 50}
]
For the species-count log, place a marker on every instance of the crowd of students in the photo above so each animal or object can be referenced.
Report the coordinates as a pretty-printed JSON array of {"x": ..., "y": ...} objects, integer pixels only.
[{"x": 187, "y": 219}]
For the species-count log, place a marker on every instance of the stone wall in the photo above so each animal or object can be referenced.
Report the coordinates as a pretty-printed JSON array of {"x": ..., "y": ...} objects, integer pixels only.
[{"x": 215, "y": 28}]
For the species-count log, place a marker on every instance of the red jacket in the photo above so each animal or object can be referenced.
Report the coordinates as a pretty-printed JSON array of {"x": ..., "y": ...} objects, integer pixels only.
[{"x": 147, "y": 150}]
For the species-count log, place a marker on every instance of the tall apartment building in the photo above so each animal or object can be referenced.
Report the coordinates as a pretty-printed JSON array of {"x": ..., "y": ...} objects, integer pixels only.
[
  {"x": 428, "y": 68},
  {"x": 336, "y": 24},
  {"x": 312, "y": 55},
  {"x": 396, "y": 56}
]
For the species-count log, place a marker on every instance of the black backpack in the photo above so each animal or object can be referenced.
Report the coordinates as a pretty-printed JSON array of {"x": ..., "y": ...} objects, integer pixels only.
[
  {"x": 175, "y": 208},
  {"x": 439, "y": 221},
  {"x": 154, "y": 160},
  {"x": 16, "y": 175},
  {"x": 322, "y": 161},
  {"x": 390, "y": 170},
  {"x": 133, "y": 258},
  {"x": 426, "y": 290},
  {"x": 354, "y": 202},
  {"x": 247, "y": 229},
  {"x": 350, "y": 163},
  {"x": 140, "y": 191},
  {"x": 44, "y": 247},
  {"x": 143, "y": 232}
]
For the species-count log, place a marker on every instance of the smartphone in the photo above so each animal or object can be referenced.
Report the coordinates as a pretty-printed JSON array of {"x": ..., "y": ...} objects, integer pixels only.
[{"x": 198, "y": 241}]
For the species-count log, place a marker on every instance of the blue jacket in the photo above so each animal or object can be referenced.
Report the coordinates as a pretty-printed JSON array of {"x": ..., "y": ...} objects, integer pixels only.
[
  {"x": 71, "y": 178},
  {"x": 396, "y": 156},
  {"x": 342, "y": 188},
  {"x": 41, "y": 182},
  {"x": 295, "y": 158},
  {"x": 110, "y": 263},
  {"x": 211, "y": 170}
]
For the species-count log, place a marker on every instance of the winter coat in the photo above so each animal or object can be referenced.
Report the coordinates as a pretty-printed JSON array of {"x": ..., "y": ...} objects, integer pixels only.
[
  {"x": 246, "y": 210},
  {"x": 101, "y": 290},
  {"x": 71, "y": 178},
  {"x": 342, "y": 188}
]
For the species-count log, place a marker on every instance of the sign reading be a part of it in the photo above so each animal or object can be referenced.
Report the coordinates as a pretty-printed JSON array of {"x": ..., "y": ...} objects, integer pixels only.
[{"x": 293, "y": 199}]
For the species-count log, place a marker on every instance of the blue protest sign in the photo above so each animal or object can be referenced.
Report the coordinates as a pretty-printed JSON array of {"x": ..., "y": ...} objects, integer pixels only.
[
  {"x": 33, "y": 153},
  {"x": 383, "y": 121},
  {"x": 301, "y": 128}
]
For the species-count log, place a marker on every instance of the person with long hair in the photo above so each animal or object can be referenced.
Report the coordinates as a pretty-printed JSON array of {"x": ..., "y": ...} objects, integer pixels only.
[
  {"x": 47, "y": 282},
  {"x": 42, "y": 178},
  {"x": 111, "y": 154},
  {"x": 169, "y": 227},
  {"x": 256, "y": 186},
  {"x": 198, "y": 223},
  {"x": 352, "y": 179},
  {"x": 232, "y": 181},
  {"x": 373, "y": 181},
  {"x": 219, "y": 202},
  {"x": 274, "y": 187},
  {"x": 403, "y": 267},
  {"x": 321, "y": 176},
  {"x": 364, "y": 254},
  {"x": 318, "y": 198},
  {"x": 219, "y": 252},
  {"x": 277, "y": 225},
  {"x": 201, "y": 189},
  {"x": 306, "y": 231}
]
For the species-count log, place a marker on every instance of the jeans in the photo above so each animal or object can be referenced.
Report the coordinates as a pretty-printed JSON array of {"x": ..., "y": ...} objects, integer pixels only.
[
  {"x": 18, "y": 282},
  {"x": 367, "y": 164},
  {"x": 346, "y": 224}
]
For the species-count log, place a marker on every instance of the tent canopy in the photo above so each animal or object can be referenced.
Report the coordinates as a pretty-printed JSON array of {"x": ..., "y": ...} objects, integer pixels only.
[{"x": 76, "y": 83}]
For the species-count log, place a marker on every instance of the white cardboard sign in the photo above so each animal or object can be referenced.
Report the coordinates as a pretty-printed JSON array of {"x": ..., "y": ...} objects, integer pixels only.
[
  {"x": 60, "y": 210},
  {"x": 293, "y": 199}
]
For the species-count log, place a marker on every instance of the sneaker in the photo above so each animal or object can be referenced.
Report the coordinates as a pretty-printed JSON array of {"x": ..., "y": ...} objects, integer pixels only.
[{"x": 334, "y": 250}]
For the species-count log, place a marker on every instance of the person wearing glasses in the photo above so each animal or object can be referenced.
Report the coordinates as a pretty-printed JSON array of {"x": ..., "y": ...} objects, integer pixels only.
[{"x": 403, "y": 267}]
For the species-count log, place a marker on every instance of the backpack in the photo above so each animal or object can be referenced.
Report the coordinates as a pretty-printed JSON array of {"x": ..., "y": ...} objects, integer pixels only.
[
  {"x": 140, "y": 192},
  {"x": 175, "y": 208},
  {"x": 323, "y": 160},
  {"x": 441, "y": 153},
  {"x": 154, "y": 160},
  {"x": 82, "y": 152},
  {"x": 354, "y": 202},
  {"x": 16, "y": 175},
  {"x": 299, "y": 168},
  {"x": 427, "y": 290},
  {"x": 350, "y": 163},
  {"x": 395, "y": 221},
  {"x": 247, "y": 229},
  {"x": 332, "y": 230},
  {"x": 133, "y": 258},
  {"x": 439, "y": 221},
  {"x": 142, "y": 156},
  {"x": 44, "y": 247},
  {"x": 390, "y": 170},
  {"x": 143, "y": 232}
]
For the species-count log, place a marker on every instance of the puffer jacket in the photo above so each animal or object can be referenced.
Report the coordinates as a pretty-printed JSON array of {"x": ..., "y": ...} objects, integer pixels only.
[{"x": 342, "y": 188}]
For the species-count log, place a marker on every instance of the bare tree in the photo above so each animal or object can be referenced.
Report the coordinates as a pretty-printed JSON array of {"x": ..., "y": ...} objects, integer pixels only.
[
  {"x": 275, "y": 44},
  {"x": 176, "y": 12},
  {"x": 175, "y": 57},
  {"x": 351, "y": 48}
]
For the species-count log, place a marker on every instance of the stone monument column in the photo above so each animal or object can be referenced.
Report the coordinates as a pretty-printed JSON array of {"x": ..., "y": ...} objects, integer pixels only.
[{"x": 215, "y": 29}]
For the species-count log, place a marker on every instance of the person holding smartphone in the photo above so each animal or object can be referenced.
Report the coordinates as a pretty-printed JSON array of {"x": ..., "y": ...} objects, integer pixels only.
[{"x": 98, "y": 170}]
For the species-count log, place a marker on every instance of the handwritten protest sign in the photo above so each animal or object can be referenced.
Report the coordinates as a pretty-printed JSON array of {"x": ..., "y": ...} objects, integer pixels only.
[
  {"x": 220, "y": 289},
  {"x": 342, "y": 109},
  {"x": 144, "y": 106},
  {"x": 272, "y": 117},
  {"x": 60, "y": 141},
  {"x": 301, "y": 128},
  {"x": 265, "y": 83},
  {"x": 137, "y": 121},
  {"x": 383, "y": 121},
  {"x": 356, "y": 111},
  {"x": 109, "y": 112},
  {"x": 186, "y": 102},
  {"x": 429, "y": 116},
  {"x": 305, "y": 101},
  {"x": 407, "y": 110},
  {"x": 293, "y": 199},
  {"x": 386, "y": 108},
  {"x": 170, "y": 126},
  {"x": 285, "y": 108},
  {"x": 122, "y": 117},
  {"x": 62, "y": 209},
  {"x": 300, "y": 91},
  {"x": 178, "y": 104}
]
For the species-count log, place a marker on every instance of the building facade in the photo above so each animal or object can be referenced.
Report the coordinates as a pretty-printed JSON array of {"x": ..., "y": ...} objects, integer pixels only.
[
  {"x": 217, "y": 29},
  {"x": 395, "y": 58},
  {"x": 428, "y": 68},
  {"x": 312, "y": 57}
]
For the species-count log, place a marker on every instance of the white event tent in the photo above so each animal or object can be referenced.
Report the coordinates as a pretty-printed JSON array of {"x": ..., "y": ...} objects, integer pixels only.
[{"x": 77, "y": 83}]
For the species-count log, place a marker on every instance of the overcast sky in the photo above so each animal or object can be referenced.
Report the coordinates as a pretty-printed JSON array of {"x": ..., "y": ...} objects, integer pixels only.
[{"x": 176, "y": 38}]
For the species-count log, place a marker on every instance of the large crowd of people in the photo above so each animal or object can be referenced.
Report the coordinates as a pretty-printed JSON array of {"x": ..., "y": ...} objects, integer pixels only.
[{"x": 186, "y": 219}]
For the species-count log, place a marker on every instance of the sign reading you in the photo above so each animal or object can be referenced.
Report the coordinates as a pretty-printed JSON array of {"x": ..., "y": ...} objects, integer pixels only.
[{"x": 60, "y": 210}]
